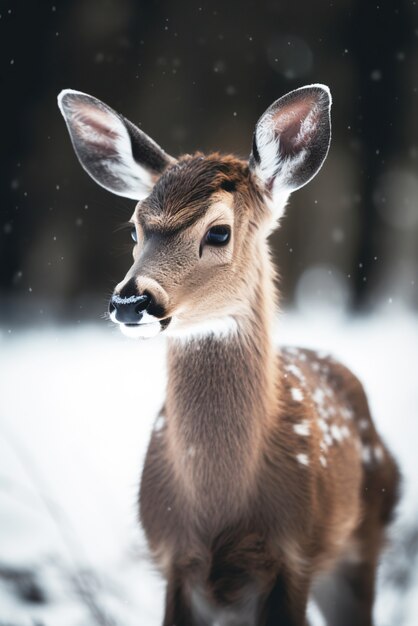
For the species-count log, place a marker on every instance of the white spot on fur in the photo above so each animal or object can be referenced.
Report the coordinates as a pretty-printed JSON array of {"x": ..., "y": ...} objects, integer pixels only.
[
  {"x": 297, "y": 394},
  {"x": 331, "y": 411},
  {"x": 296, "y": 371},
  {"x": 336, "y": 433},
  {"x": 366, "y": 454},
  {"x": 328, "y": 439},
  {"x": 302, "y": 459},
  {"x": 328, "y": 392},
  {"x": 302, "y": 429},
  {"x": 159, "y": 423},
  {"x": 379, "y": 453},
  {"x": 318, "y": 396},
  {"x": 363, "y": 424},
  {"x": 323, "y": 460},
  {"x": 323, "y": 425}
]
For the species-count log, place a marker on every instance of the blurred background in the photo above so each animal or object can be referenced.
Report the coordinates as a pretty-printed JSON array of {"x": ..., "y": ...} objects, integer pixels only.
[{"x": 194, "y": 76}]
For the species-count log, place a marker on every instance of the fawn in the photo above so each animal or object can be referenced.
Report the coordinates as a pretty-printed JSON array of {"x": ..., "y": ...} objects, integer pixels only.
[{"x": 265, "y": 480}]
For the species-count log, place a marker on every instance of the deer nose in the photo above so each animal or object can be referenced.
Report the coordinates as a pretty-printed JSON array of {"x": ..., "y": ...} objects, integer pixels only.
[{"x": 128, "y": 309}]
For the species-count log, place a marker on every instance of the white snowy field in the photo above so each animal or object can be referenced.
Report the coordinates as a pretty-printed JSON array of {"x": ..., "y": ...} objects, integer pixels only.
[{"x": 76, "y": 410}]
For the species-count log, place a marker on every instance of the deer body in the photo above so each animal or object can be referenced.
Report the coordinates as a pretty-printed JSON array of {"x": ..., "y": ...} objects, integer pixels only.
[
  {"x": 264, "y": 471},
  {"x": 257, "y": 496}
]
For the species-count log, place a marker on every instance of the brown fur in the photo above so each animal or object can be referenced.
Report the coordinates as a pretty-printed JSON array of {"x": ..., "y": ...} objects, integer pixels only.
[{"x": 268, "y": 471}]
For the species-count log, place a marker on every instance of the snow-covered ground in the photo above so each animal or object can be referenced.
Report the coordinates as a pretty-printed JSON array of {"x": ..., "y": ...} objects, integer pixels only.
[{"x": 76, "y": 410}]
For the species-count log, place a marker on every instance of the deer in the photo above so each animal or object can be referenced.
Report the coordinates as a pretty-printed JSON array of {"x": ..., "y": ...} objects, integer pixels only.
[{"x": 265, "y": 483}]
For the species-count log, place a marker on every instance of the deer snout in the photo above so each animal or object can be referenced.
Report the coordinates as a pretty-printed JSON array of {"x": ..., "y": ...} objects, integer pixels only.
[
  {"x": 128, "y": 309},
  {"x": 139, "y": 307}
]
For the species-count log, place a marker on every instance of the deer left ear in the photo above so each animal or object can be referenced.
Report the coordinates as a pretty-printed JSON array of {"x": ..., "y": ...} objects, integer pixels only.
[
  {"x": 116, "y": 154},
  {"x": 291, "y": 141}
]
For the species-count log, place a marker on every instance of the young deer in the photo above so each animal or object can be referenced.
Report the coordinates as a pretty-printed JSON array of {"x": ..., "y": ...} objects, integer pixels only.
[{"x": 265, "y": 480}]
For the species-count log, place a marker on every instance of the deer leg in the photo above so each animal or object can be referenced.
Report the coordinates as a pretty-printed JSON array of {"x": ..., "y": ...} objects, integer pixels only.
[
  {"x": 177, "y": 610},
  {"x": 286, "y": 602},
  {"x": 346, "y": 595}
]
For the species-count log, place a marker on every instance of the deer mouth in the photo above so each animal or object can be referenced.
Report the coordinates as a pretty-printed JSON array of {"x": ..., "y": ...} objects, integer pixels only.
[{"x": 145, "y": 329}]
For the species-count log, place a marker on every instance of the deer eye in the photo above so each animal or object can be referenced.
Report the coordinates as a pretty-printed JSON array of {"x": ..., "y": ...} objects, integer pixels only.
[
  {"x": 134, "y": 235},
  {"x": 218, "y": 235}
]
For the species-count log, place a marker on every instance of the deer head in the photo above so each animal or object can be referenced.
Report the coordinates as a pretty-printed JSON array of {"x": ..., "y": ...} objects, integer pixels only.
[{"x": 201, "y": 222}]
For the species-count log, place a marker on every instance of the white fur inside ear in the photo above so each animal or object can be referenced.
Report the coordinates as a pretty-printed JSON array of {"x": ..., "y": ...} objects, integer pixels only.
[
  {"x": 284, "y": 150},
  {"x": 104, "y": 136},
  {"x": 273, "y": 167},
  {"x": 307, "y": 127}
]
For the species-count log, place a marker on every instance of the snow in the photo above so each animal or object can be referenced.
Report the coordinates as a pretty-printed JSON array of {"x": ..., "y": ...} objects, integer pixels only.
[{"x": 77, "y": 409}]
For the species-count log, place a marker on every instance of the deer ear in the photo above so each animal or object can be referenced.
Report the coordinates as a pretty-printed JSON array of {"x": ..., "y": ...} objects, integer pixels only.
[
  {"x": 116, "y": 154},
  {"x": 291, "y": 141}
]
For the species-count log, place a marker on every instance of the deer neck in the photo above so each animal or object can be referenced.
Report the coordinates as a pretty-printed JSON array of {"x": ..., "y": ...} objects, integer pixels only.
[{"x": 222, "y": 395}]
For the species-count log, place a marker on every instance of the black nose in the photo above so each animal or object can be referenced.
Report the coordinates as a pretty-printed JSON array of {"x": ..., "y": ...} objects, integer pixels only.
[{"x": 129, "y": 309}]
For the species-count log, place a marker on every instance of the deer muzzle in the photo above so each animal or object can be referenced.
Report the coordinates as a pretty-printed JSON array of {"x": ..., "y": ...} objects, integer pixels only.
[{"x": 139, "y": 309}]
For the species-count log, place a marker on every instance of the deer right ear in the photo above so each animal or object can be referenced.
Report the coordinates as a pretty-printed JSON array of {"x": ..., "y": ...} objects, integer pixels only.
[
  {"x": 116, "y": 154},
  {"x": 291, "y": 141}
]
